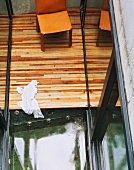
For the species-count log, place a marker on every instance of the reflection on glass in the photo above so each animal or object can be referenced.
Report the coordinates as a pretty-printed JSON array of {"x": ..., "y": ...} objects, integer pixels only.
[
  {"x": 53, "y": 148},
  {"x": 4, "y": 24},
  {"x": 114, "y": 148},
  {"x": 19, "y": 149}
]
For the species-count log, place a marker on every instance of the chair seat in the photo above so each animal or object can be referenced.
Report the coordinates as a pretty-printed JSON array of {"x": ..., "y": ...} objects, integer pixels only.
[
  {"x": 104, "y": 21},
  {"x": 54, "y": 22}
]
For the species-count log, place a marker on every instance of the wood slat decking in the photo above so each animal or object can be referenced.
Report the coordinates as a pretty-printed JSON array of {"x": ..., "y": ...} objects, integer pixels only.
[
  {"x": 4, "y": 24},
  {"x": 60, "y": 69}
]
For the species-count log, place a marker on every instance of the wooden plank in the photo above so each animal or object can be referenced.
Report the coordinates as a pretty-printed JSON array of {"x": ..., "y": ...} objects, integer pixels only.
[{"x": 59, "y": 70}]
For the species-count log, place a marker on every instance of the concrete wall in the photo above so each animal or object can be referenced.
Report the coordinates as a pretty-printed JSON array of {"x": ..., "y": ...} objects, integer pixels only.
[
  {"x": 28, "y": 6},
  {"x": 125, "y": 21},
  {"x": 3, "y": 9}
]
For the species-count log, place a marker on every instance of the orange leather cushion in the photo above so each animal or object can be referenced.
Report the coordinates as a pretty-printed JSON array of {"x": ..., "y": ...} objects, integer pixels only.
[
  {"x": 50, "y": 6},
  {"x": 105, "y": 21},
  {"x": 55, "y": 22}
]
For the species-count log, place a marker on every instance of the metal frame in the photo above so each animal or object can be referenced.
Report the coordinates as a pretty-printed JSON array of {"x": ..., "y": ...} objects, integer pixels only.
[
  {"x": 83, "y": 4},
  {"x": 6, "y": 110},
  {"x": 121, "y": 85},
  {"x": 6, "y": 146},
  {"x": 52, "y": 117},
  {"x": 104, "y": 100},
  {"x": 9, "y": 8},
  {"x": 111, "y": 93},
  {"x": 5, "y": 115},
  {"x": 2, "y": 121},
  {"x": 10, "y": 13},
  {"x": 82, "y": 19}
]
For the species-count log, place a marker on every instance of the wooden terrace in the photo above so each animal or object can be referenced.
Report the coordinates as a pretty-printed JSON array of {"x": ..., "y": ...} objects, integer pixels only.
[{"x": 60, "y": 69}]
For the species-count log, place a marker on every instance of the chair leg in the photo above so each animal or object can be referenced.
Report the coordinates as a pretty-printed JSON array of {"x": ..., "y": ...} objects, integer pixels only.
[
  {"x": 70, "y": 38},
  {"x": 42, "y": 43},
  {"x": 37, "y": 25},
  {"x": 98, "y": 38}
]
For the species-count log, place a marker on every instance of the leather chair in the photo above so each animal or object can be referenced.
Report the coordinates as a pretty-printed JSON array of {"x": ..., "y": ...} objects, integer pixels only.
[
  {"x": 104, "y": 22},
  {"x": 52, "y": 17}
]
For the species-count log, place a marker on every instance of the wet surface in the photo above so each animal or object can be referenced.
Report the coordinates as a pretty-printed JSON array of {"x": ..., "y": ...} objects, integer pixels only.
[{"x": 50, "y": 148}]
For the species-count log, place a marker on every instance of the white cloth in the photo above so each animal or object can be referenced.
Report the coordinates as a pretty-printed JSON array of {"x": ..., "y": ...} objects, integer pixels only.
[{"x": 29, "y": 104}]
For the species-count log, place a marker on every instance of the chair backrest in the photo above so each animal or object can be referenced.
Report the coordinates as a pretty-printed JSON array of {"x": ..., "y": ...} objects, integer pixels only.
[
  {"x": 105, "y": 5},
  {"x": 50, "y": 6}
]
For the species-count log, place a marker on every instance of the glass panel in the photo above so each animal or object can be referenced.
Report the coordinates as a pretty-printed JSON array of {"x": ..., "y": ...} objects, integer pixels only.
[
  {"x": 114, "y": 148},
  {"x": 50, "y": 148},
  {"x": 4, "y": 25}
]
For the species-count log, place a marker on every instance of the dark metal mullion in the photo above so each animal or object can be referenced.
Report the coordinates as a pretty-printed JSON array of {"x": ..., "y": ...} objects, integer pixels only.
[
  {"x": 111, "y": 106},
  {"x": 82, "y": 19},
  {"x": 11, "y": 8},
  {"x": 8, "y": 9},
  {"x": 2, "y": 121},
  {"x": 104, "y": 100},
  {"x": 8, "y": 70},
  {"x": 89, "y": 141},
  {"x": 8, "y": 141},
  {"x": 114, "y": 96},
  {"x": 85, "y": 67},
  {"x": 104, "y": 126},
  {"x": 83, "y": 4},
  {"x": 124, "y": 109}
]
